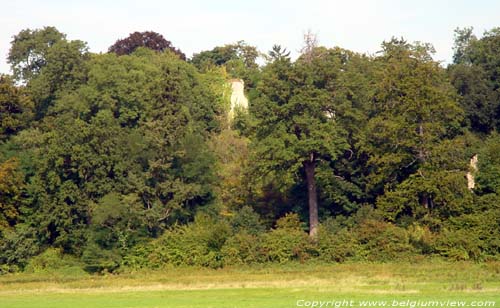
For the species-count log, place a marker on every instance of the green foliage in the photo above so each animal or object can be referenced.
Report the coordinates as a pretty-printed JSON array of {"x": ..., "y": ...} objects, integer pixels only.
[
  {"x": 336, "y": 244},
  {"x": 382, "y": 241},
  {"x": 239, "y": 59},
  {"x": 414, "y": 108},
  {"x": 446, "y": 192},
  {"x": 131, "y": 161},
  {"x": 99, "y": 260},
  {"x": 458, "y": 245},
  {"x": 133, "y": 132},
  {"x": 488, "y": 180},
  {"x": 28, "y": 51},
  {"x": 11, "y": 187},
  {"x": 288, "y": 242},
  {"x": 53, "y": 259},
  {"x": 196, "y": 244},
  {"x": 243, "y": 248},
  {"x": 16, "y": 108},
  {"x": 17, "y": 247},
  {"x": 475, "y": 75},
  {"x": 422, "y": 238},
  {"x": 247, "y": 220},
  {"x": 231, "y": 159},
  {"x": 64, "y": 71}
]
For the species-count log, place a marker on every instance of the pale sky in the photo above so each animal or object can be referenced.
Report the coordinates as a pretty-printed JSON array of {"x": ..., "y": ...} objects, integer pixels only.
[{"x": 196, "y": 25}]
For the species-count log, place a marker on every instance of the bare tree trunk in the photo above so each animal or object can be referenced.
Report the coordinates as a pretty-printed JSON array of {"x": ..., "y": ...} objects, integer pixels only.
[{"x": 309, "y": 166}]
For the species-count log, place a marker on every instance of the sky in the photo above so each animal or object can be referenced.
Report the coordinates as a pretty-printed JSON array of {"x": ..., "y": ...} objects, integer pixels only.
[{"x": 196, "y": 25}]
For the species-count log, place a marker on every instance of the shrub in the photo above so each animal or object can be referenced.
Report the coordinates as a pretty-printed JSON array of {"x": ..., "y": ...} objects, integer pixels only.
[
  {"x": 336, "y": 245},
  {"x": 247, "y": 220},
  {"x": 287, "y": 242},
  {"x": 138, "y": 257},
  {"x": 382, "y": 241},
  {"x": 99, "y": 260},
  {"x": 195, "y": 244},
  {"x": 422, "y": 238},
  {"x": 242, "y": 248},
  {"x": 16, "y": 248},
  {"x": 53, "y": 259},
  {"x": 458, "y": 245}
]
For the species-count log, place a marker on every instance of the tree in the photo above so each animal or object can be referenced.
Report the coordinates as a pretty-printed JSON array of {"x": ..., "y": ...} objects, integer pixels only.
[
  {"x": 48, "y": 64},
  {"x": 239, "y": 59},
  {"x": 296, "y": 129},
  {"x": 122, "y": 156},
  {"x": 64, "y": 71},
  {"x": 11, "y": 185},
  {"x": 221, "y": 55},
  {"x": 476, "y": 76},
  {"x": 16, "y": 108},
  {"x": 28, "y": 51},
  {"x": 147, "y": 39},
  {"x": 414, "y": 111}
]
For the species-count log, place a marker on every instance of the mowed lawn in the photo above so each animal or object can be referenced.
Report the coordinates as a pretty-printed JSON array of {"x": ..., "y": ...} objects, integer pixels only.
[{"x": 420, "y": 284}]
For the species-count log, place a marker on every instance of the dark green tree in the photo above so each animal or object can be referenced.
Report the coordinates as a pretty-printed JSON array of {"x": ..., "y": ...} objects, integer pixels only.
[
  {"x": 475, "y": 74},
  {"x": 129, "y": 142},
  {"x": 414, "y": 110},
  {"x": 239, "y": 59},
  {"x": 297, "y": 127},
  {"x": 16, "y": 108}
]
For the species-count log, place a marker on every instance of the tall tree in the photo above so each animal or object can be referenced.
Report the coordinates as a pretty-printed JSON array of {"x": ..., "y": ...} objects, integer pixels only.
[
  {"x": 28, "y": 51},
  {"x": 48, "y": 64},
  {"x": 296, "y": 128},
  {"x": 475, "y": 74},
  {"x": 148, "y": 39},
  {"x": 239, "y": 59},
  {"x": 414, "y": 110},
  {"x": 64, "y": 71},
  {"x": 121, "y": 156}
]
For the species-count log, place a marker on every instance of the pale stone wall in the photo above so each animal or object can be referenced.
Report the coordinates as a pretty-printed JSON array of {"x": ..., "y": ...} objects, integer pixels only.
[
  {"x": 238, "y": 98},
  {"x": 471, "y": 183}
]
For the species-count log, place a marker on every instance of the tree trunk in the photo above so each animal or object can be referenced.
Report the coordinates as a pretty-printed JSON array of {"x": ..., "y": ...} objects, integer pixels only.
[{"x": 309, "y": 166}]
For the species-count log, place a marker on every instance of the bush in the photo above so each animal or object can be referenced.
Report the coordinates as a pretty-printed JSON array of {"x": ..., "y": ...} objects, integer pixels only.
[
  {"x": 99, "y": 260},
  {"x": 248, "y": 221},
  {"x": 195, "y": 244},
  {"x": 422, "y": 238},
  {"x": 337, "y": 245},
  {"x": 242, "y": 248},
  {"x": 458, "y": 245},
  {"x": 138, "y": 257},
  {"x": 16, "y": 248},
  {"x": 53, "y": 259},
  {"x": 383, "y": 241},
  {"x": 287, "y": 242}
]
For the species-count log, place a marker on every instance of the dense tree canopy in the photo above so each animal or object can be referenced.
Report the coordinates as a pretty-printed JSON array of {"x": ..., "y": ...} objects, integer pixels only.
[
  {"x": 29, "y": 49},
  {"x": 147, "y": 39},
  {"x": 475, "y": 74},
  {"x": 128, "y": 159},
  {"x": 239, "y": 59}
]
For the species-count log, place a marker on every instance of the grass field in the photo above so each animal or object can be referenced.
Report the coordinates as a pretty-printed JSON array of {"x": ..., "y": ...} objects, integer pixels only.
[{"x": 338, "y": 285}]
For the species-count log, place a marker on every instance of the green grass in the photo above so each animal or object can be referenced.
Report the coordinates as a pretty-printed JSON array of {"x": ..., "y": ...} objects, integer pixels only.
[{"x": 260, "y": 287}]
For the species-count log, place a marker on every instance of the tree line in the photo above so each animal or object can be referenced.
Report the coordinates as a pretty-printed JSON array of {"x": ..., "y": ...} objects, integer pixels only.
[{"x": 128, "y": 159}]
